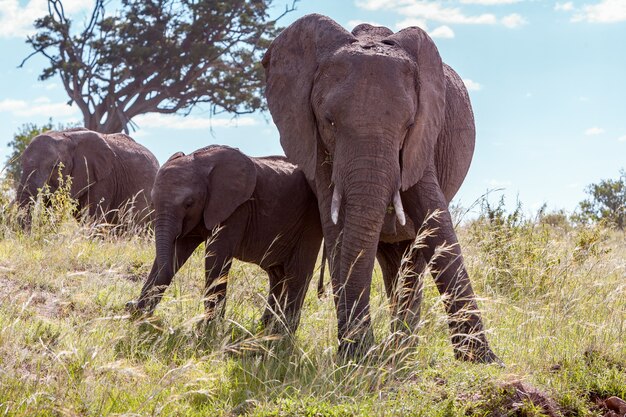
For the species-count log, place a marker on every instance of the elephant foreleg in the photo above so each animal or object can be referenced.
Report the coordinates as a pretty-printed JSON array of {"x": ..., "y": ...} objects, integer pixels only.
[
  {"x": 443, "y": 254},
  {"x": 156, "y": 283},
  {"x": 216, "y": 269}
]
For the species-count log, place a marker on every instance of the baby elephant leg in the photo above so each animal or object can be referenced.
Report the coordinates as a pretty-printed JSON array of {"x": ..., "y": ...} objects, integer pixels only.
[
  {"x": 286, "y": 296},
  {"x": 216, "y": 275},
  {"x": 157, "y": 282}
]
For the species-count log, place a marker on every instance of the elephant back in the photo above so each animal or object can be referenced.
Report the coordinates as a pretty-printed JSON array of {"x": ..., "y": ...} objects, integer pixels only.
[{"x": 133, "y": 154}]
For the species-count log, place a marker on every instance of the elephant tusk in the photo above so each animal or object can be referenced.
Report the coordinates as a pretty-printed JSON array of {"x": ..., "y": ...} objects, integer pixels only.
[
  {"x": 397, "y": 205},
  {"x": 335, "y": 205}
]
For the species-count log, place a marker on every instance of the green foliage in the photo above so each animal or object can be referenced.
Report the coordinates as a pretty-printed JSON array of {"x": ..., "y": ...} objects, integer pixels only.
[
  {"x": 607, "y": 203},
  {"x": 52, "y": 210},
  {"x": 518, "y": 249},
  {"x": 523, "y": 257},
  {"x": 158, "y": 56},
  {"x": 558, "y": 219}
]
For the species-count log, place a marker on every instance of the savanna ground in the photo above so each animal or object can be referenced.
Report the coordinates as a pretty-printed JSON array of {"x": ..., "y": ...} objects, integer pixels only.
[{"x": 553, "y": 297}]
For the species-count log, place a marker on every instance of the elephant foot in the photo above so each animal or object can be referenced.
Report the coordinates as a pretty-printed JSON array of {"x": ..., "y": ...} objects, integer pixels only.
[
  {"x": 136, "y": 311},
  {"x": 279, "y": 324},
  {"x": 357, "y": 347},
  {"x": 477, "y": 351}
]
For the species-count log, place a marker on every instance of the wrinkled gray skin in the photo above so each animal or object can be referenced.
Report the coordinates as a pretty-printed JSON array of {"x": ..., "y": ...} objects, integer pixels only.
[
  {"x": 384, "y": 131},
  {"x": 267, "y": 215},
  {"x": 107, "y": 171}
]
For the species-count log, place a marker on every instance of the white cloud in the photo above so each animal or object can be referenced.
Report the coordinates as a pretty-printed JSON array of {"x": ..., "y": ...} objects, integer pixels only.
[
  {"x": 593, "y": 131},
  {"x": 411, "y": 21},
  {"x": 11, "y": 106},
  {"x": 420, "y": 12},
  {"x": 490, "y": 2},
  {"x": 377, "y": 4},
  {"x": 495, "y": 183},
  {"x": 354, "y": 23},
  {"x": 472, "y": 85},
  {"x": 40, "y": 106},
  {"x": 606, "y": 11},
  {"x": 16, "y": 20},
  {"x": 443, "y": 31},
  {"x": 438, "y": 13},
  {"x": 564, "y": 7},
  {"x": 622, "y": 138},
  {"x": 513, "y": 21},
  {"x": 156, "y": 120}
]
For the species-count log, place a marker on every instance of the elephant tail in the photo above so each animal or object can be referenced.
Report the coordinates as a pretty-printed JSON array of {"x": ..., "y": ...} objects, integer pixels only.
[{"x": 320, "y": 284}]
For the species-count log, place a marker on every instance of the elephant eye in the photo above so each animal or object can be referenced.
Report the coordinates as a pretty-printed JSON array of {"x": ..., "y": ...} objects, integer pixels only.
[
  {"x": 188, "y": 202},
  {"x": 330, "y": 121}
]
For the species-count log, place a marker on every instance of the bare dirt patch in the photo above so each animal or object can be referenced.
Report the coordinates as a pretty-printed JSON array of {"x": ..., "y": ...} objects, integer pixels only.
[
  {"x": 42, "y": 302},
  {"x": 516, "y": 399}
]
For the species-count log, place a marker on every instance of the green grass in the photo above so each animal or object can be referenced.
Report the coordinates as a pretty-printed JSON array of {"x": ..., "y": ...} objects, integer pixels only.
[{"x": 553, "y": 299}]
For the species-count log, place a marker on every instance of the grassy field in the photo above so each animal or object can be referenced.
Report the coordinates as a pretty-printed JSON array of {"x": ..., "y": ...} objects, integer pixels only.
[{"x": 553, "y": 298}]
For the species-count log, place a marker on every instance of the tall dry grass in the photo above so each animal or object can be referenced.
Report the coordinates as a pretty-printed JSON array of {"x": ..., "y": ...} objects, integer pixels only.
[{"x": 553, "y": 299}]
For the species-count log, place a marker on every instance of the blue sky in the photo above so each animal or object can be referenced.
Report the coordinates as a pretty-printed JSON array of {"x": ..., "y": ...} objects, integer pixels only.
[{"x": 547, "y": 81}]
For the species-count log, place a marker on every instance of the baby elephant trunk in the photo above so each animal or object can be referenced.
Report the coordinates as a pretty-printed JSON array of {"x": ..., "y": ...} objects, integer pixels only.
[{"x": 166, "y": 230}]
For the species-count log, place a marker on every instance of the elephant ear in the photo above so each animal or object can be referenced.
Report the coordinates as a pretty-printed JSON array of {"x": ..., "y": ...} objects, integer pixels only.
[
  {"x": 290, "y": 65},
  {"x": 231, "y": 180},
  {"x": 93, "y": 160},
  {"x": 418, "y": 149}
]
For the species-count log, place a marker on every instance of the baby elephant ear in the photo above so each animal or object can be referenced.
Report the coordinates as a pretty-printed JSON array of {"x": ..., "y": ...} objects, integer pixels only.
[
  {"x": 290, "y": 65},
  {"x": 231, "y": 179},
  {"x": 419, "y": 146},
  {"x": 93, "y": 159}
]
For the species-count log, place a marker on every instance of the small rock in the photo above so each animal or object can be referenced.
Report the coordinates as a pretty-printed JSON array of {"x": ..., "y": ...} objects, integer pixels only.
[
  {"x": 616, "y": 404},
  {"x": 556, "y": 367}
]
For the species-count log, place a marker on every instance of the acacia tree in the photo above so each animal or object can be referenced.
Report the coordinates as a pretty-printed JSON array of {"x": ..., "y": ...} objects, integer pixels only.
[
  {"x": 160, "y": 56},
  {"x": 607, "y": 202}
]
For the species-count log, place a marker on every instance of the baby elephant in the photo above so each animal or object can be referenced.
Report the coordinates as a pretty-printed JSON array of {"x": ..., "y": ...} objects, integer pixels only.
[{"x": 258, "y": 210}]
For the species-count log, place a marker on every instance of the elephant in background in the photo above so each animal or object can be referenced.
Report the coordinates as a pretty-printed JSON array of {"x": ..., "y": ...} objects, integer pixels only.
[
  {"x": 108, "y": 171},
  {"x": 258, "y": 210},
  {"x": 384, "y": 131}
]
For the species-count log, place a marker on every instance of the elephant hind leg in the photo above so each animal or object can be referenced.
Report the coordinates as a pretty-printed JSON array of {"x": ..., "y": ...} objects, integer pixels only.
[
  {"x": 288, "y": 286},
  {"x": 276, "y": 292},
  {"x": 403, "y": 270}
]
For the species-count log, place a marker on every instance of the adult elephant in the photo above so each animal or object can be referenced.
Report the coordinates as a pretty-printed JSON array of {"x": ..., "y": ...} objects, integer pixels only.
[
  {"x": 384, "y": 131},
  {"x": 108, "y": 171}
]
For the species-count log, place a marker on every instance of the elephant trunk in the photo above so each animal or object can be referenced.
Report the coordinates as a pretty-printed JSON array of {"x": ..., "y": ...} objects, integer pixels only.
[
  {"x": 166, "y": 232},
  {"x": 368, "y": 189},
  {"x": 166, "y": 229}
]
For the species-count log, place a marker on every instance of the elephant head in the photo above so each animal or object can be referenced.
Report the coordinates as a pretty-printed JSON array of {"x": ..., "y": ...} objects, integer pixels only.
[
  {"x": 203, "y": 188},
  {"x": 79, "y": 153},
  {"x": 367, "y": 108}
]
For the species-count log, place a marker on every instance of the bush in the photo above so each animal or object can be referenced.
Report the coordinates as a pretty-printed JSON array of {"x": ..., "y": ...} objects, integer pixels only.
[{"x": 607, "y": 204}]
